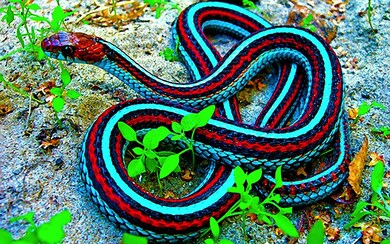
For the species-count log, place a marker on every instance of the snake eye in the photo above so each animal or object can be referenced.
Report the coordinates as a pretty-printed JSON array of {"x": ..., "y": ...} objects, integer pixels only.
[{"x": 68, "y": 51}]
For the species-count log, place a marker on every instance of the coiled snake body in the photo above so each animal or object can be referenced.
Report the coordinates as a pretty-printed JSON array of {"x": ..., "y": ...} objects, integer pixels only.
[{"x": 302, "y": 119}]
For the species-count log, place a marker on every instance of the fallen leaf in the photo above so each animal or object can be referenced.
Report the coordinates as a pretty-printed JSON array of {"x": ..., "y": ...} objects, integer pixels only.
[
  {"x": 370, "y": 234},
  {"x": 50, "y": 144},
  {"x": 333, "y": 234},
  {"x": 187, "y": 176},
  {"x": 352, "y": 63},
  {"x": 301, "y": 171},
  {"x": 356, "y": 167},
  {"x": 170, "y": 195},
  {"x": 353, "y": 113}
]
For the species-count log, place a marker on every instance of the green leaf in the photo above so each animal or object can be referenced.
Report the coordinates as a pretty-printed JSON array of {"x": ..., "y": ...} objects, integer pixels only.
[
  {"x": 209, "y": 241},
  {"x": 151, "y": 164},
  {"x": 61, "y": 218},
  {"x": 127, "y": 132},
  {"x": 278, "y": 177},
  {"x": 234, "y": 189},
  {"x": 170, "y": 164},
  {"x": 205, "y": 115},
  {"x": 357, "y": 217},
  {"x": 5, "y": 236},
  {"x": 189, "y": 122},
  {"x": 49, "y": 233},
  {"x": 359, "y": 207},
  {"x": 136, "y": 167},
  {"x": 378, "y": 105},
  {"x": 239, "y": 176},
  {"x": 225, "y": 241},
  {"x": 138, "y": 151},
  {"x": 214, "y": 227},
  {"x": 10, "y": 16},
  {"x": 33, "y": 6},
  {"x": 38, "y": 18},
  {"x": 161, "y": 133},
  {"x": 56, "y": 91},
  {"x": 254, "y": 176},
  {"x": 316, "y": 233},
  {"x": 377, "y": 177},
  {"x": 387, "y": 241},
  {"x": 73, "y": 94},
  {"x": 28, "y": 217},
  {"x": 149, "y": 141},
  {"x": 176, "y": 127},
  {"x": 363, "y": 109},
  {"x": 65, "y": 77},
  {"x": 58, "y": 104},
  {"x": 150, "y": 154},
  {"x": 131, "y": 239},
  {"x": 285, "y": 225},
  {"x": 176, "y": 137}
]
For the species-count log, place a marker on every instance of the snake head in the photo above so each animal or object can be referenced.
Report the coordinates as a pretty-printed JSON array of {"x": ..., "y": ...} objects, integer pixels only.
[{"x": 74, "y": 47}]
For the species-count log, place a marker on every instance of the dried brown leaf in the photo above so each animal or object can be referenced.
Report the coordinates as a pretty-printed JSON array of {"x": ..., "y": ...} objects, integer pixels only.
[
  {"x": 170, "y": 195},
  {"x": 187, "y": 176},
  {"x": 353, "y": 113},
  {"x": 50, "y": 144},
  {"x": 356, "y": 167},
  {"x": 333, "y": 234}
]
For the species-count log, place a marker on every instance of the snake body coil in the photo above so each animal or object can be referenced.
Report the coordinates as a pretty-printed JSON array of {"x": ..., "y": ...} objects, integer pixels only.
[{"x": 302, "y": 119}]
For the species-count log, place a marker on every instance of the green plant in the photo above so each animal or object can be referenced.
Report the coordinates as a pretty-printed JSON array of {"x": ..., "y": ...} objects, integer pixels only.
[
  {"x": 369, "y": 16},
  {"x": 316, "y": 233},
  {"x": 307, "y": 23},
  {"x": 131, "y": 239},
  {"x": 383, "y": 131},
  {"x": 250, "y": 5},
  {"x": 249, "y": 204},
  {"x": 365, "y": 107},
  {"x": 379, "y": 201},
  {"x": 164, "y": 163},
  {"x": 215, "y": 231},
  {"x": 49, "y": 232},
  {"x": 169, "y": 54},
  {"x": 161, "y": 5},
  {"x": 60, "y": 93},
  {"x": 26, "y": 33}
]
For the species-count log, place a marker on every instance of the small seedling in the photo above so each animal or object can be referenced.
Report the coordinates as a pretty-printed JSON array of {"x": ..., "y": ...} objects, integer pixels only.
[
  {"x": 365, "y": 107},
  {"x": 49, "y": 232},
  {"x": 250, "y": 5},
  {"x": 163, "y": 163},
  {"x": 169, "y": 54},
  {"x": 60, "y": 93},
  {"x": 249, "y": 204},
  {"x": 307, "y": 23},
  {"x": 383, "y": 131},
  {"x": 369, "y": 17},
  {"x": 379, "y": 201}
]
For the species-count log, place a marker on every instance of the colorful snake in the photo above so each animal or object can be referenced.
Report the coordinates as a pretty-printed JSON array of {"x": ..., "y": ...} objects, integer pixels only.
[{"x": 303, "y": 118}]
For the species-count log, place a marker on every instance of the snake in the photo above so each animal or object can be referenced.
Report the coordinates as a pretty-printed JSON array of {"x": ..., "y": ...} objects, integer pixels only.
[{"x": 303, "y": 118}]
